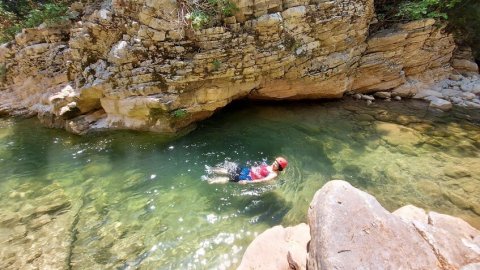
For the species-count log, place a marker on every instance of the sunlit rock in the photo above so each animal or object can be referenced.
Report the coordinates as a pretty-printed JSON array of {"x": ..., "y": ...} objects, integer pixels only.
[
  {"x": 280, "y": 247},
  {"x": 398, "y": 135},
  {"x": 454, "y": 241},
  {"x": 439, "y": 103},
  {"x": 350, "y": 229},
  {"x": 125, "y": 50}
]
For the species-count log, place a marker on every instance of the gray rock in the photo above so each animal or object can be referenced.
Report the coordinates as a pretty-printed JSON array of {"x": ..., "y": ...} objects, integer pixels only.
[
  {"x": 351, "y": 230},
  {"x": 451, "y": 92},
  {"x": 476, "y": 88},
  {"x": 456, "y": 100},
  {"x": 425, "y": 93},
  {"x": 439, "y": 103},
  {"x": 398, "y": 98},
  {"x": 357, "y": 96},
  {"x": 383, "y": 95},
  {"x": 466, "y": 87},
  {"x": 368, "y": 97},
  {"x": 468, "y": 96},
  {"x": 472, "y": 104}
]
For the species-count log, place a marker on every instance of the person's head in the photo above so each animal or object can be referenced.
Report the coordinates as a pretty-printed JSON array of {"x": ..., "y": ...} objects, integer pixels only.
[{"x": 280, "y": 163}]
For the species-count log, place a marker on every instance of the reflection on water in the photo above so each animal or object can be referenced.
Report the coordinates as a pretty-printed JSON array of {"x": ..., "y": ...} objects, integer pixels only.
[{"x": 132, "y": 200}]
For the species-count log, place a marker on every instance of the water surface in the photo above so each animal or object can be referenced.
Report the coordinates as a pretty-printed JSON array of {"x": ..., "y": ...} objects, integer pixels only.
[{"x": 130, "y": 200}]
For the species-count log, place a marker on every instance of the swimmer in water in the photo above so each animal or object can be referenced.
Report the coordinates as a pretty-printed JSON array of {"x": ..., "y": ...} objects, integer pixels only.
[{"x": 232, "y": 172}]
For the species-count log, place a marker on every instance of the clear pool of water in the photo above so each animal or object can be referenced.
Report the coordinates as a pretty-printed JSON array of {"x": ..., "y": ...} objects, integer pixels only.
[{"x": 131, "y": 200}]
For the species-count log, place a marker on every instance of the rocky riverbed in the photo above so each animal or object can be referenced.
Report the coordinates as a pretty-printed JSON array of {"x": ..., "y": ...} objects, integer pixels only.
[
  {"x": 127, "y": 200},
  {"x": 457, "y": 89},
  {"x": 349, "y": 229}
]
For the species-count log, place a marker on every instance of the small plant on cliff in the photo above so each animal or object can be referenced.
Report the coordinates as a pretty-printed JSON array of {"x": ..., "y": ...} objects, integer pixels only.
[
  {"x": 204, "y": 13},
  {"x": 179, "y": 113},
  {"x": 197, "y": 19},
  {"x": 415, "y": 10},
  {"x": 3, "y": 73},
  {"x": 216, "y": 64}
]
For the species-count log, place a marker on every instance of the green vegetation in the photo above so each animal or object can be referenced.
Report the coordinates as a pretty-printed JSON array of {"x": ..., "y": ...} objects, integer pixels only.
[
  {"x": 205, "y": 13},
  {"x": 216, "y": 64},
  {"x": 464, "y": 20},
  {"x": 462, "y": 16},
  {"x": 179, "y": 113},
  {"x": 392, "y": 11},
  {"x": 3, "y": 72},
  {"x": 16, "y": 15}
]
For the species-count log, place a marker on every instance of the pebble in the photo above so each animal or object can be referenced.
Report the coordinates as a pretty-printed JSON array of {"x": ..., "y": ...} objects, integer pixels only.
[{"x": 367, "y": 97}]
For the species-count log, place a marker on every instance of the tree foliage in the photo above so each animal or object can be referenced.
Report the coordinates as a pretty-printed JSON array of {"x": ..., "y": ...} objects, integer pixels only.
[
  {"x": 464, "y": 21},
  {"x": 392, "y": 11},
  {"x": 462, "y": 16},
  {"x": 18, "y": 14}
]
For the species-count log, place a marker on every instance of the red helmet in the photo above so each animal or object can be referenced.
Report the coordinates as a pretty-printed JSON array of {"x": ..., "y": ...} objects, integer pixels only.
[{"x": 281, "y": 162}]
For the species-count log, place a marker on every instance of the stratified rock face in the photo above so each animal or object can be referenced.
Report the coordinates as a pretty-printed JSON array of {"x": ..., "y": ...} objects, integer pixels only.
[
  {"x": 133, "y": 65},
  {"x": 415, "y": 50},
  {"x": 351, "y": 230},
  {"x": 278, "y": 248}
]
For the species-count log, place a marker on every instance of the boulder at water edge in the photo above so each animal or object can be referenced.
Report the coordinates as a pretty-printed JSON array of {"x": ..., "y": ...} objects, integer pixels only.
[
  {"x": 351, "y": 230},
  {"x": 278, "y": 248}
]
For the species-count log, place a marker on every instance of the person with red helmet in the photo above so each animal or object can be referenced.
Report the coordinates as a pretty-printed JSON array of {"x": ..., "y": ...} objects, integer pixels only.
[{"x": 231, "y": 172}]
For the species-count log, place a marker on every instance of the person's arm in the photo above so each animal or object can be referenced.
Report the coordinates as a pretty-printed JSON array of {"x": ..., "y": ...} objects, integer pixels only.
[{"x": 269, "y": 177}]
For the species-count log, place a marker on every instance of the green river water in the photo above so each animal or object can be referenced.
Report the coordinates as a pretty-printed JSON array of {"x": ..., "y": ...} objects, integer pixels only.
[{"x": 131, "y": 200}]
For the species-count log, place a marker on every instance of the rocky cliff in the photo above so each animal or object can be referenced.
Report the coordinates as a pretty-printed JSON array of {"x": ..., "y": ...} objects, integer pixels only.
[{"x": 133, "y": 65}]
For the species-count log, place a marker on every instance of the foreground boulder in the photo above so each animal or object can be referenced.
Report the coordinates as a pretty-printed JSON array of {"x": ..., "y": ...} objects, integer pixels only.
[
  {"x": 280, "y": 248},
  {"x": 349, "y": 229}
]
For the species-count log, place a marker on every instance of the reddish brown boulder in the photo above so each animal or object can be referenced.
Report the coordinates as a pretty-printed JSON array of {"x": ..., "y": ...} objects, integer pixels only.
[
  {"x": 453, "y": 240},
  {"x": 351, "y": 230}
]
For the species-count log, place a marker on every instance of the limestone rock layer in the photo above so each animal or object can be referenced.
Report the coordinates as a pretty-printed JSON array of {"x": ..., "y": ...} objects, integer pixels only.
[{"x": 135, "y": 65}]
